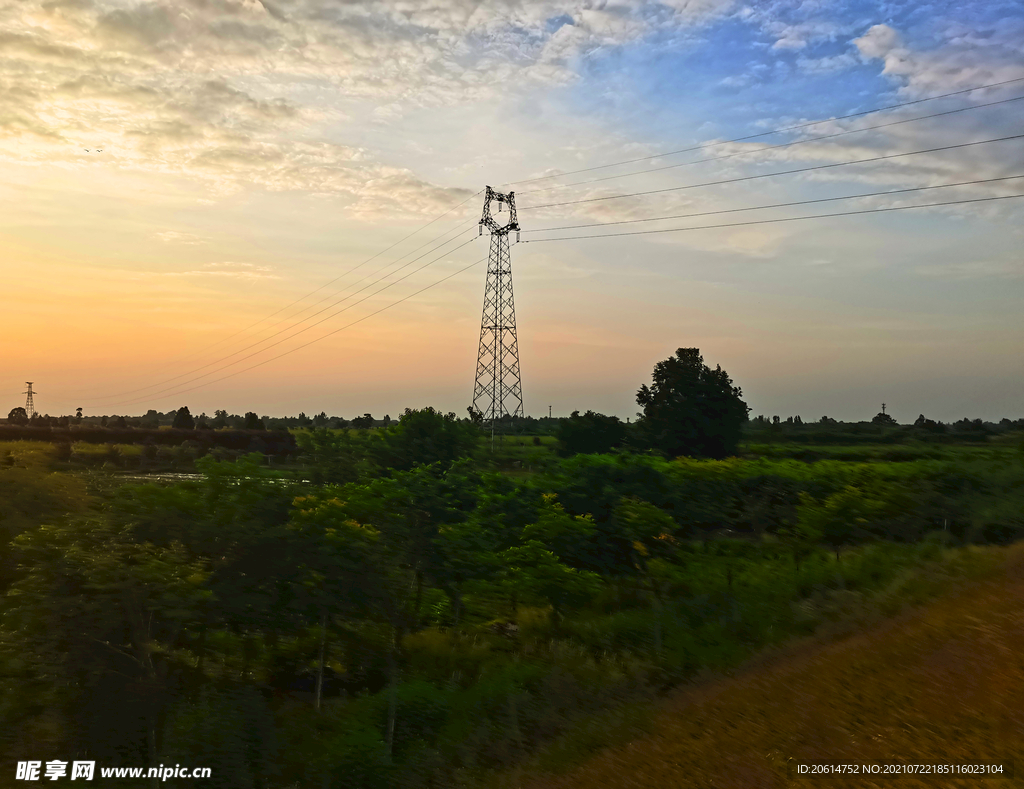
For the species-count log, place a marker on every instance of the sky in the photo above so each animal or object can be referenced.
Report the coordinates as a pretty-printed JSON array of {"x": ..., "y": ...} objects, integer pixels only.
[{"x": 192, "y": 188}]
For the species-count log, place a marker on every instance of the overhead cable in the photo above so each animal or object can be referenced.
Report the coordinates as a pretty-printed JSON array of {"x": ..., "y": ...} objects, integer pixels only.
[
  {"x": 779, "y": 130},
  {"x": 329, "y": 334},
  {"x": 773, "y": 175},
  {"x": 772, "y": 147},
  {"x": 774, "y": 205},
  {"x": 774, "y": 221},
  {"x": 316, "y": 323}
]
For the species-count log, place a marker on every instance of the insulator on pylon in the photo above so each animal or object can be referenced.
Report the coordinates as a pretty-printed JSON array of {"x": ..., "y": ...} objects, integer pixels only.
[
  {"x": 481, "y": 231},
  {"x": 517, "y": 236}
]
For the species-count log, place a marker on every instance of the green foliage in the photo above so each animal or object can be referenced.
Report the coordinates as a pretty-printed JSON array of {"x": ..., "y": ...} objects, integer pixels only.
[
  {"x": 334, "y": 456},
  {"x": 690, "y": 409},
  {"x": 394, "y": 626},
  {"x": 232, "y": 728},
  {"x": 423, "y": 437},
  {"x": 110, "y": 616},
  {"x": 183, "y": 419},
  {"x": 588, "y": 434},
  {"x": 843, "y": 518}
]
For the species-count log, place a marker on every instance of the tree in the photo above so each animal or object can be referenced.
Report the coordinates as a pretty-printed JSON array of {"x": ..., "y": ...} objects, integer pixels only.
[
  {"x": 110, "y": 615},
  {"x": 253, "y": 422},
  {"x": 882, "y": 418},
  {"x": 425, "y": 436},
  {"x": 183, "y": 419},
  {"x": 333, "y": 456},
  {"x": 589, "y": 434},
  {"x": 364, "y": 422},
  {"x": 691, "y": 409},
  {"x": 929, "y": 424},
  {"x": 651, "y": 532},
  {"x": 17, "y": 416},
  {"x": 841, "y": 519},
  {"x": 532, "y": 571}
]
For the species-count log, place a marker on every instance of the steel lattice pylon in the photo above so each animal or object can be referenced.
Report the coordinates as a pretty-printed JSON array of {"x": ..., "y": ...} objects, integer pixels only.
[
  {"x": 30, "y": 403},
  {"x": 498, "y": 391}
]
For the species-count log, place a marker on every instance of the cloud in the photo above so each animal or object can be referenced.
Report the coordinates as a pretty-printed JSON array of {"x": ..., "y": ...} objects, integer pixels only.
[
  {"x": 225, "y": 269},
  {"x": 959, "y": 63},
  {"x": 174, "y": 237},
  {"x": 238, "y": 94}
]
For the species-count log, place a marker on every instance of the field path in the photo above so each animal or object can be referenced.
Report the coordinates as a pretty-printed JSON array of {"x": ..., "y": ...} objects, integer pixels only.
[{"x": 941, "y": 684}]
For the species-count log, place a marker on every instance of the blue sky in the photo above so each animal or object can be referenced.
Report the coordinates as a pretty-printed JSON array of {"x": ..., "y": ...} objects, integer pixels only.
[{"x": 253, "y": 151}]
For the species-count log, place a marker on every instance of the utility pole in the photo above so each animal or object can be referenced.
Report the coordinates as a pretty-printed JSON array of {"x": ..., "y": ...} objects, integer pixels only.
[
  {"x": 549, "y": 412},
  {"x": 30, "y": 406},
  {"x": 883, "y": 408},
  {"x": 498, "y": 387}
]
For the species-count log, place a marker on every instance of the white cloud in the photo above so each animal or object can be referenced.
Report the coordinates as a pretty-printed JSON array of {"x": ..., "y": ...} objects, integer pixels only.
[
  {"x": 236, "y": 93},
  {"x": 959, "y": 63}
]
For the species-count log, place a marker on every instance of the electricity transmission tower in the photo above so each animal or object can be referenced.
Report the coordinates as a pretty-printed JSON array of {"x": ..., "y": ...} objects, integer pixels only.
[
  {"x": 30, "y": 406},
  {"x": 498, "y": 391}
]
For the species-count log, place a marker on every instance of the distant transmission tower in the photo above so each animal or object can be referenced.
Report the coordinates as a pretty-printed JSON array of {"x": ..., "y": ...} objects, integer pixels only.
[
  {"x": 498, "y": 391},
  {"x": 30, "y": 405}
]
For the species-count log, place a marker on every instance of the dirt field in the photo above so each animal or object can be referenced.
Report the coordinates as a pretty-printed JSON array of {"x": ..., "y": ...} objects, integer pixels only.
[{"x": 939, "y": 685}]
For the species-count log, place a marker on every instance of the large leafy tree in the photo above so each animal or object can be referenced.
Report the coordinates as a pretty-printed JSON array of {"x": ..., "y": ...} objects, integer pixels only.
[
  {"x": 17, "y": 416},
  {"x": 690, "y": 409}
]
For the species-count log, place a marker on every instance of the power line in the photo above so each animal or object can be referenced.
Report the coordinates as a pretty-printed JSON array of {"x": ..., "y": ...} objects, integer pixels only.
[
  {"x": 356, "y": 268},
  {"x": 239, "y": 361},
  {"x": 342, "y": 276},
  {"x": 394, "y": 260},
  {"x": 773, "y": 175},
  {"x": 773, "y": 147},
  {"x": 294, "y": 325},
  {"x": 313, "y": 292},
  {"x": 773, "y": 131},
  {"x": 773, "y": 221},
  {"x": 774, "y": 205}
]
